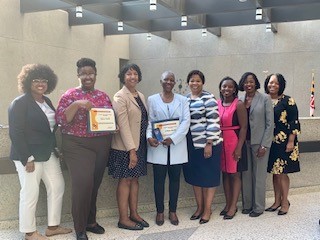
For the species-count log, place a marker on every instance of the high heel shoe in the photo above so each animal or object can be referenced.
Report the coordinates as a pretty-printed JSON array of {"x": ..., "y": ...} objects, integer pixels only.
[
  {"x": 280, "y": 212},
  {"x": 223, "y": 212},
  {"x": 229, "y": 217},
  {"x": 271, "y": 209}
]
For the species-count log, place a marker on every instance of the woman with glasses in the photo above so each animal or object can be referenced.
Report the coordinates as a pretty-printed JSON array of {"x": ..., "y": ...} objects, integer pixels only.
[
  {"x": 167, "y": 155},
  {"x": 85, "y": 152},
  {"x": 32, "y": 128}
]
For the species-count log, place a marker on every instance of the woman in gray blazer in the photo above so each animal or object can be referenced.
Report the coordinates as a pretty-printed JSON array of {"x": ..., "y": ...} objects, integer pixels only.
[
  {"x": 169, "y": 157},
  {"x": 258, "y": 142}
]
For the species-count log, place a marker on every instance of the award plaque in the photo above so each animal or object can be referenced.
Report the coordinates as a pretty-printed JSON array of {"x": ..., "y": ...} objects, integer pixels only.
[
  {"x": 167, "y": 127},
  {"x": 101, "y": 120}
]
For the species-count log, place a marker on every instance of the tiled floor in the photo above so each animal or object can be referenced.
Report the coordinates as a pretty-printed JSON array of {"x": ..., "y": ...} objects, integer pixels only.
[{"x": 302, "y": 222}]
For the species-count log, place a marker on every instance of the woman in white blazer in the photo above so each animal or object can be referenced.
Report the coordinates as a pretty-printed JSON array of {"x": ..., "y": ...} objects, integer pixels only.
[{"x": 169, "y": 154}]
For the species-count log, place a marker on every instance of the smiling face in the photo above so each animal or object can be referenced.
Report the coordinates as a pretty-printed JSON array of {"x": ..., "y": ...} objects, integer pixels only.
[
  {"x": 249, "y": 84},
  {"x": 39, "y": 87},
  {"x": 168, "y": 83},
  {"x": 273, "y": 85},
  {"x": 195, "y": 84},
  {"x": 227, "y": 89},
  {"x": 87, "y": 77},
  {"x": 131, "y": 78}
]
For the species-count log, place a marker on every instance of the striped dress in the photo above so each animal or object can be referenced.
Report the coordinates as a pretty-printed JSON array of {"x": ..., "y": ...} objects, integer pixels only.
[{"x": 205, "y": 125}]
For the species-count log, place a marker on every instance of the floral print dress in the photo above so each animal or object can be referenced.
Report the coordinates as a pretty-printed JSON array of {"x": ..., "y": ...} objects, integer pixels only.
[{"x": 286, "y": 123}]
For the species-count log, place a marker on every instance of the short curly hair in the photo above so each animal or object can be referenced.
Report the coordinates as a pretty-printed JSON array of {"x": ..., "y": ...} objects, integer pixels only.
[
  {"x": 33, "y": 71},
  {"x": 244, "y": 78},
  {"x": 196, "y": 72},
  {"x": 126, "y": 68},
  {"x": 86, "y": 62}
]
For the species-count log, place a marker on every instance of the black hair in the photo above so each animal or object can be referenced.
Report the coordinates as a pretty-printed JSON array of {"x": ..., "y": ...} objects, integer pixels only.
[
  {"x": 244, "y": 78},
  {"x": 86, "y": 62},
  {"x": 126, "y": 68},
  {"x": 196, "y": 72},
  {"x": 235, "y": 84},
  {"x": 281, "y": 80},
  {"x": 33, "y": 71}
]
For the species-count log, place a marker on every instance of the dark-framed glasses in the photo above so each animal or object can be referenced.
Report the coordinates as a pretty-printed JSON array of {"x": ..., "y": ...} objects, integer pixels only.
[
  {"x": 84, "y": 75},
  {"x": 37, "y": 81}
]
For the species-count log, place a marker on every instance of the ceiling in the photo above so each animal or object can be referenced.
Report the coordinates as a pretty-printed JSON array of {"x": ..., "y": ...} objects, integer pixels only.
[{"x": 211, "y": 15}]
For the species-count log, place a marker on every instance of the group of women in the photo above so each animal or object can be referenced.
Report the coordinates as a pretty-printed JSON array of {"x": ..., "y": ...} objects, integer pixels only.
[{"x": 233, "y": 135}]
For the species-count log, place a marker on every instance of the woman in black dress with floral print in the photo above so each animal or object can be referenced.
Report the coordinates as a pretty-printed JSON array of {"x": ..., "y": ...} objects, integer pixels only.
[{"x": 284, "y": 151}]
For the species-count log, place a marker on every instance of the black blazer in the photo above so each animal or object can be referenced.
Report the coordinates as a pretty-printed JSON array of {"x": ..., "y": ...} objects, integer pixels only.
[{"x": 29, "y": 130}]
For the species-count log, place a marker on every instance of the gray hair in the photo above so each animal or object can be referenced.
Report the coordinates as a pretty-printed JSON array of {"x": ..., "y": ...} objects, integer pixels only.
[{"x": 165, "y": 74}]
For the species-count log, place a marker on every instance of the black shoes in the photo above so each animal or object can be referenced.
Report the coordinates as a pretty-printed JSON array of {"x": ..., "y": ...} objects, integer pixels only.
[
  {"x": 283, "y": 212},
  {"x": 97, "y": 229},
  {"x": 82, "y": 236},
  {"x": 229, "y": 217},
  {"x": 223, "y": 212},
  {"x": 246, "y": 211},
  {"x": 143, "y": 223},
  {"x": 255, "y": 214},
  {"x": 195, "y": 217},
  {"x": 160, "y": 219},
  {"x": 203, "y": 221},
  {"x": 134, "y": 228},
  {"x": 270, "y": 209},
  {"x": 173, "y": 218}
]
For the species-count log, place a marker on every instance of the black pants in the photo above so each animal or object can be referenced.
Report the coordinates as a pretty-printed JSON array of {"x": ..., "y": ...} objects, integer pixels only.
[{"x": 159, "y": 177}]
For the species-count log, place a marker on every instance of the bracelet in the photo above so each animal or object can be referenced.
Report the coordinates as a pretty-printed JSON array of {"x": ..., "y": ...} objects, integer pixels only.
[{"x": 263, "y": 147}]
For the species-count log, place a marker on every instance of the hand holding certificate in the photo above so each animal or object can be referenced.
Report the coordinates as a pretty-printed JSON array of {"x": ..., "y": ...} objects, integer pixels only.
[
  {"x": 166, "y": 127},
  {"x": 101, "y": 120}
]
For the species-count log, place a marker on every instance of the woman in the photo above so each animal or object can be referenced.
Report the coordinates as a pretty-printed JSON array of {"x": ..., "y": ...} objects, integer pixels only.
[
  {"x": 173, "y": 153},
  {"x": 128, "y": 153},
  {"x": 284, "y": 151},
  {"x": 32, "y": 132},
  {"x": 233, "y": 120},
  {"x": 204, "y": 148},
  {"x": 85, "y": 152},
  {"x": 258, "y": 142}
]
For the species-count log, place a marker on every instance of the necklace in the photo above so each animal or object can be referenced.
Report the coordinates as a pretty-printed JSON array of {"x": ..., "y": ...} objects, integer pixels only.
[{"x": 167, "y": 99}]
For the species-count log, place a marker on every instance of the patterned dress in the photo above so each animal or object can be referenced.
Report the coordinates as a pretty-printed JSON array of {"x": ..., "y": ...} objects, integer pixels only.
[
  {"x": 230, "y": 133},
  {"x": 286, "y": 123},
  {"x": 119, "y": 160},
  {"x": 205, "y": 124}
]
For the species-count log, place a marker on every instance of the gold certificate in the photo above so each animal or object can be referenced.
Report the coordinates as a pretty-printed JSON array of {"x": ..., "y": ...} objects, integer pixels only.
[
  {"x": 167, "y": 127},
  {"x": 101, "y": 120}
]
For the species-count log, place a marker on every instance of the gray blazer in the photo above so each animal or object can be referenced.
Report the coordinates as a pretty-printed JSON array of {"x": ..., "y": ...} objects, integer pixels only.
[{"x": 261, "y": 119}]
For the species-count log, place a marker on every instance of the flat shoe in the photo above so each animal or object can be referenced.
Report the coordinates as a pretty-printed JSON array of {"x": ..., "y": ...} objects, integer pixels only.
[
  {"x": 255, "y": 214},
  {"x": 160, "y": 219},
  {"x": 270, "y": 209},
  {"x": 195, "y": 217},
  {"x": 203, "y": 221},
  {"x": 173, "y": 221},
  {"x": 97, "y": 229},
  {"x": 57, "y": 231},
  {"x": 223, "y": 212},
  {"x": 143, "y": 223},
  {"x": 82, "y": 236},
  {"x": 229, "y": 217},
  {"x": 134, "y": 228},
  {"x": 35, "y": 236},
  {"x": 246, "y": 211}
]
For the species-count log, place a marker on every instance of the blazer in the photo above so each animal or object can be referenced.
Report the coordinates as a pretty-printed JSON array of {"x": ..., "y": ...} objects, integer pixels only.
[
  {"x": 128, "y": 115},
  {"x": 29, "y": 130},
  {"x": 159, "y": 111},
  {"x": 261, "y": 119}
]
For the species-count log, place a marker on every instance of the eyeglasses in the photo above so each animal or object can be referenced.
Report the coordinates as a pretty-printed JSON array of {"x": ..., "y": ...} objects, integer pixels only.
[
  {"x": 84, "y": 75},
  {"x": 37, "y": 81},
  {"x": 169, "y": 80}
]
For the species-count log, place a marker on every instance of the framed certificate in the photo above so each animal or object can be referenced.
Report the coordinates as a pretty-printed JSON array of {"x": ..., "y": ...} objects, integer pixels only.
[
  {"x": 166, "y": 127},
  {"x": 101, "y": 120}
]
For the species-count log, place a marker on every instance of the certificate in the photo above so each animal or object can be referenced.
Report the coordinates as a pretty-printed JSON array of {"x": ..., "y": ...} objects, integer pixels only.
[
  {"x": 101, "y": 120},
  {"x": 167, "y": 127}
]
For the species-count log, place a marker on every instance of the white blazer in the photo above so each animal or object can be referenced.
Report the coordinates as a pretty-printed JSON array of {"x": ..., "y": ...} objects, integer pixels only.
[{"x": 179, "y": 108}]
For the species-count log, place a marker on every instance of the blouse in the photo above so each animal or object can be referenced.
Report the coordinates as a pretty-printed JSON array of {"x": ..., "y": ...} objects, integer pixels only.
[
  {"x": 79, "y": 124},
  {"x": 205, "y": 121}
]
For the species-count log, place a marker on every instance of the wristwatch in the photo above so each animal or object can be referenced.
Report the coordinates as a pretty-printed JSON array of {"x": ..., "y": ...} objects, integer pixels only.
[{"x": 263, "y": 147}]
